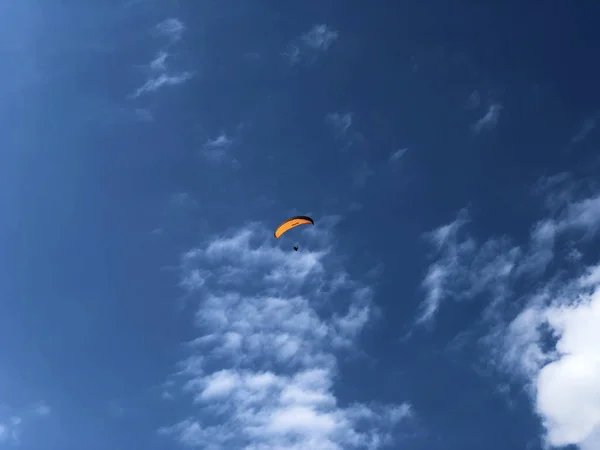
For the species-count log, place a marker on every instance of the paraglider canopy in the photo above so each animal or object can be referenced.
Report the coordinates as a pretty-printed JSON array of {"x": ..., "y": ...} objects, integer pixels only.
[{"x": 292, "y": 222}]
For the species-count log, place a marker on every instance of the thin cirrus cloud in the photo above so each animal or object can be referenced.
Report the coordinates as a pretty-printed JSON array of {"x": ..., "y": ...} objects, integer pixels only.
[
  {"x": 218, "y": 150},
  {"x": 489, "y": 120},
  {"x": 586, "y": 129},
  {"x": 552, "y": 342},
  {"x": 320, "y": 37},
  {"x": 396, "y": 155},
  {"x": 171, "y": 28},
  {"x": 261, "y": 372},
  {"x": 10, "y": 430},
  {"x": 160, "y": 77},
  {"x": 341, "y": 126},
  {"x": 159, "y": 63},
  {"x": 464, "y": 267},
  {"x": 160, "y": 74},
  {"x": 339, "y": 123},
  {"x": 311, "y": 44},
  {"x": 474, "y": 100},
  {"x": 12, "y": 422},
  {"x": 184, "y": 200}
]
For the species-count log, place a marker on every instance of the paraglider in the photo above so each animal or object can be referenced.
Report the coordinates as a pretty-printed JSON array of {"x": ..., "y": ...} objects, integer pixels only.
[{"x": 290, "y": 223}]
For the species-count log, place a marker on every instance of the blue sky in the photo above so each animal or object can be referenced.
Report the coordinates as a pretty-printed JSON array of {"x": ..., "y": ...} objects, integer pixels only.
[{"x": 448, "y": 296}]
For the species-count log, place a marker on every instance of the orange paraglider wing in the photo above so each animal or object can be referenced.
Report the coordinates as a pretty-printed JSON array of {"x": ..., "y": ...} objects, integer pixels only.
[{"x": 292, "y": 222}]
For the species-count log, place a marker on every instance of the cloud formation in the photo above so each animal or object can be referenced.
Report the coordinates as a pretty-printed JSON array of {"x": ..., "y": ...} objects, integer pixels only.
[
  {"x": 553, "y": 342},
  {"x": 217, "y": 149},
  {"x": 463, "y": 269},
  {"x": 160, "y": 74},
  {"x": 262, "y": 370},
  {"x": 162, "y": 80},
  {"x": 340, "y": 123},
  {"x": 586, "y": 129},
  {"x": 170, "y": 28},
  {"x": 10, "y": 430},
  {"x": 396, "y": 155},
  {"x": 563, "y": 379},
  {"x": 474, "y": 100},
  {"x": 312, "y": 43},
  {"x": 320, "y": 37},
  {"x": 12, "y": 421},
  {"x": 489, "y": 119}
]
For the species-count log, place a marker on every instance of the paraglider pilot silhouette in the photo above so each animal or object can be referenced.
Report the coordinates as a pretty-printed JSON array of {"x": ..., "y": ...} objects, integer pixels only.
[{"x": 290, "y": 223}]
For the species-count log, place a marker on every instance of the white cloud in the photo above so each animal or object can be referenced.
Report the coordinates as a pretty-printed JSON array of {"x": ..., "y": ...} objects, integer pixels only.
[
  {"x": 161, "y": 80},
  {"x": 183, "y": 200},
  {"x": 160, "y": 61},
  {"x": 143, "y": 115},
  {"x": 161, "y": 76},
  {"x": 568, "y": 391},
  {"x": 320, "y": 37},
  {"x": 42, "y": 409},
  {"x": 171, "y": 28},
  {"x": 217, "y": 149},
  {"x": 463, "y": 268},
  {"x": 474, "y": 100},
  {"x": 562, "y": 377},
  {"x": 312, "y": 43},
  {"x": 264, "y": 364},
  {"x": 556, "y": 190},
  {"x": 12, "y": 421},
  {"x": 10, "y": 430},
  {"x": 340, "y": 123},
  {"x": 553, "y": 342},
  {"x": 489, "y": 120},
  {"x": 397, "y": 154},
  {"x": 586, "y": 128}
]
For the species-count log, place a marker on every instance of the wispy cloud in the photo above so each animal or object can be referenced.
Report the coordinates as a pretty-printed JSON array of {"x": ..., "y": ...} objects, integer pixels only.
[
  {"x": 464, "y": 267},
  {"x": 320, "y": 37},
  {"x": 261, "y": 372},
  {"x": 552, "y": 342},
  {"x": 159, "y": 63},
  {"x": 396, "y": 155},
  {"x": 489, "y": 120},
  {"x": 217, "y": 150},
  {"x": 42, "y": 409},
  {"x": 586, "y": 128},
  {"x": 312, "y": 43},
  {"x": 10, "y": 430},
  {"x": 184, "y": 200},
  {"x": 340, "y": 123},
  {"x": 162, "y": 80},
  {"x": 12, "y": 421},
  {"x": 144, "y": 115},
  {"x": 556, "y": 190},
  {"x": 343, "y": 129},
  {"x": 160, "y": 75},
  {"x": 171, "y": 28},
  {"x": 474, "y": 100}
]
